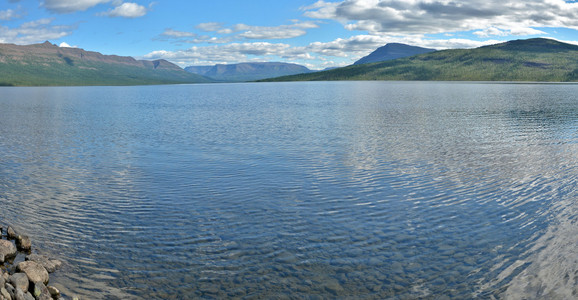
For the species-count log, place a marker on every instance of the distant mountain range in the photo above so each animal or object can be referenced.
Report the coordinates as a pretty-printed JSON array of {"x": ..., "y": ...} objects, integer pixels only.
[
  {"x": 537, "y": 59},
  {"x": 248, "y": 71},
  {"x": 520, "y": 60},
  {"x": 392, "y": 51},
  {"x": 48, "y": 64}
]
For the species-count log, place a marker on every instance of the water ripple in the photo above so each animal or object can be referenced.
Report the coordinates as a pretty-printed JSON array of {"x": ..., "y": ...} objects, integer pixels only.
[{"x": 365, "y": 190}]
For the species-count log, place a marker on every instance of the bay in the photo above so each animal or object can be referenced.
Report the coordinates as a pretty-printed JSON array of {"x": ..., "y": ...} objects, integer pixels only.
[{"x": 365, "y": 190}]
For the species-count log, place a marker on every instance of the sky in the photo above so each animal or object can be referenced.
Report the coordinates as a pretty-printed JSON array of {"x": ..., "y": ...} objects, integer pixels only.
[{"x": 314, "y": 33}]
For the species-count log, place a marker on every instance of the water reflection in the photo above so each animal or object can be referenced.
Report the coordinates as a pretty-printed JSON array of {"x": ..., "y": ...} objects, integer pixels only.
[
  {"x": 358, "y": 189},
  {"x": 480, "y": 155}
]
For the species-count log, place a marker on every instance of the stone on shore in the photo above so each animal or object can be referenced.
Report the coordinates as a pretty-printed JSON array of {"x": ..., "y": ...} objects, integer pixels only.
[
  {"x": 20, "y": 281},
  {"x": 40, "y": 291},
  {"x": 23, "y": 243},
  {"x": 34, "y": 271},
  {"x": 4, "y": 293},
  {"x": 7, "y": 250},
  {"x": 31, "y": 277},
  {"x": 11, "y": 233},
  {"x": 50, "y": 265},
  {"x": 19, "y": 295},
  {"x": 11, "y": 290},
  {"x": 54, "y": 292}
]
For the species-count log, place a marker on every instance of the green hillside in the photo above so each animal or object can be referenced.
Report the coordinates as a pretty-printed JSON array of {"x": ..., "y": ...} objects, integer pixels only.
[
  {"x": 47, "y": 65},
  {"x": 521, "y": 60}
]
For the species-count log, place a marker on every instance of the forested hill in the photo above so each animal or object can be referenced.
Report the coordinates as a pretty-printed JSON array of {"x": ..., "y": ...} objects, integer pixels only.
[
  {"x": 48, "y": 64},
  {"x": 543, "y": 60}
]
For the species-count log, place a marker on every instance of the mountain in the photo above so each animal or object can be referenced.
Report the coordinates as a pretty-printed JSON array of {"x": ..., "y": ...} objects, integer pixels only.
[
  {"x": 200, "y": 70},
  {"x": 47, "y": 64},
  {"x": 538, "y": 59},
  {"x": 392, "y": 51},
  {"x": 248, "y": 71}
]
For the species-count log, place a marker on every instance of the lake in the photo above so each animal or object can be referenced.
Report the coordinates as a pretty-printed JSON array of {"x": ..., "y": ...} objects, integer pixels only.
[{"x": 359, "y": 190}]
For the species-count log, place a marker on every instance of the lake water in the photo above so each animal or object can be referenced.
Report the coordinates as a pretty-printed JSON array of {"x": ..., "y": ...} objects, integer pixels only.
[{"x": 358, "y": 190}]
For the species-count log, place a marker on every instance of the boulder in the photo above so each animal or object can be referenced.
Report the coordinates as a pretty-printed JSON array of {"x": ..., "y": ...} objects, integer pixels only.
[
  {"x": 19, "y": 295},
  {"x": 34, "y": 271},
  {"x": 40, "y": 291},
  {"x": 19, "y": 281},
  {"x": 54, "y": 292},
  {"x": 11, "y": 233},
  {"x": 5, "y": 294},
  {"x": 28, "y": 296},
  {"x": 50, "y": 265},
  {"x": 7, "y": 250},
  {"x": 23, "y": 243},
  {"x": 2, "y": 281},
  {"x": 11, "y": 290}
]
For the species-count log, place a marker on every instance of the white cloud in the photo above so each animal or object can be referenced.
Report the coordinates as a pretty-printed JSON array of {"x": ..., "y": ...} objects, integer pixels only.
[
  {"x": 34, "y": 32},
  {"x": 526, "y": 31},
  {"x": 127, "y": 10},
  {"x": 567, "y": 42},
  {"x": 321, "y": 10},
  {"x": 429, "y": 17},
  {"x": 210, "y": 27},
  {"x": 214, "y": 27},
  {"x": 239, "y": 32},
  {"x": 385, "y": 21},
  {"x": 493, "y": 31},
  {"x": 66, "y": 45},
  {"x": 68, "y": 6},
  {"x": 178, "y": 34},
  {"x": 351, "y": 47},
  {"x": 235, "y": 52},
  {"x": 9, "y": 14},
  {"x": 191, "y": 37},
  {"x": 453, "y": 43},
  {"x": 355, "y": 47},
  {"x": 317, "y": 55},
  {"x": 272, "y": 33}
]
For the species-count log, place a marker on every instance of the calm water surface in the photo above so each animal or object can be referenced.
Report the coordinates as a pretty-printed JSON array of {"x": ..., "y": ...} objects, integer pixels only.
[{"x": 365, "y": 190}]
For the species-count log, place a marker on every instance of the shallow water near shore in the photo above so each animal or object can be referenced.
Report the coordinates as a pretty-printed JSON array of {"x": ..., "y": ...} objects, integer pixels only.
[{"x": 365, "y": 190}]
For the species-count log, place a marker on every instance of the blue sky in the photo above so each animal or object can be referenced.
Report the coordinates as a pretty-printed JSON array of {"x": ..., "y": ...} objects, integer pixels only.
[{"x": 314, "y": 33}]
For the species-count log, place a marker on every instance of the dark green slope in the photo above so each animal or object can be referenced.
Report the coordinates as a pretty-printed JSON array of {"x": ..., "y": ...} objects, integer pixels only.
[
  {"x": 46, "y": 64},
  {"x": 521, "y": 60}
]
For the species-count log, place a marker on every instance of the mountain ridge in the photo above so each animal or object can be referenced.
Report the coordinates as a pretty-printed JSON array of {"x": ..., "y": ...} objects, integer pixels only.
[
  {"x": 48, "y": 64},
  {"x": 248, "y": 71},
  {"x": 539, "y": 59},
  {"x": 392, "y": 51}
]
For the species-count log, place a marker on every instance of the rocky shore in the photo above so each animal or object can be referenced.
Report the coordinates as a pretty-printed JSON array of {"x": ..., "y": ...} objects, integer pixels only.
[{"x": 28, "y": 279}]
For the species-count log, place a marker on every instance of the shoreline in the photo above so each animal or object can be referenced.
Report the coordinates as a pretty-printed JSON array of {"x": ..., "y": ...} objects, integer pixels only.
[{"x": 23, "y": 274}]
